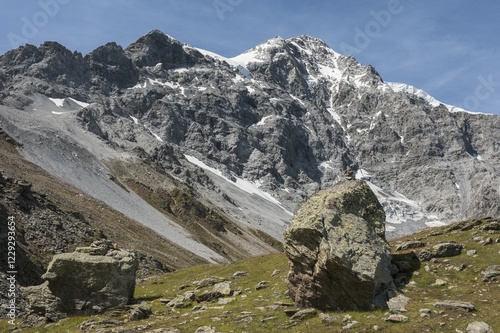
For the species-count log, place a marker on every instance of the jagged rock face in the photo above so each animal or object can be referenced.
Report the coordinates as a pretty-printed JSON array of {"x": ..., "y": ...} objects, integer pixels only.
[
  {"x": 339, "y": 259},
  {"x": 157, "y": 48},
  {"x": 109, "y": 66},
  {"x": 288, "y": 115},
  {"x": 82, "y": 282}
]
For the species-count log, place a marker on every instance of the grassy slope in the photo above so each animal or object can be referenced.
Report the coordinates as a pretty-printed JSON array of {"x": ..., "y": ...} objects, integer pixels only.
[{"x": 466, "y": 285}]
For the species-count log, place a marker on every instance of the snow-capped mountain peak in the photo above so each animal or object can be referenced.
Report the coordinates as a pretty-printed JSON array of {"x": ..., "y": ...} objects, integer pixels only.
[
  {"x": 403, "y": 87},
  {"x": 284, "y": 118}
]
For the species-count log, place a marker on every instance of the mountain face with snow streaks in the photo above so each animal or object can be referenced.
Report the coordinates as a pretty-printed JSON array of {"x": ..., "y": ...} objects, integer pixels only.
[{"x": 251, "y": 136}]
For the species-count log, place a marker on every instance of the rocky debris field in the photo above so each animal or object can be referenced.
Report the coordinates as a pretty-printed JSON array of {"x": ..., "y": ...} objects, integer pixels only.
[{"x": 456, "y": 292}]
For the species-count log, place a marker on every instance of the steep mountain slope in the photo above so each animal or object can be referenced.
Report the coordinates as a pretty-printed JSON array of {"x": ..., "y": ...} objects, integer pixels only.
[{"x": 249, "y": 137}]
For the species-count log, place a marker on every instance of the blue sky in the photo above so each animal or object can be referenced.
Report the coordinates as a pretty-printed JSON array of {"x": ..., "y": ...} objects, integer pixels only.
[{"x": 448, "y": 48}]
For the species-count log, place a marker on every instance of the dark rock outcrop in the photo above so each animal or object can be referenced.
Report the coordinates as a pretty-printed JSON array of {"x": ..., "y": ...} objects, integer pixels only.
[
  {"x": 110, "y": 68},
  {"x": 339, "y": 259},
  {"x": 157, "y": 48}
]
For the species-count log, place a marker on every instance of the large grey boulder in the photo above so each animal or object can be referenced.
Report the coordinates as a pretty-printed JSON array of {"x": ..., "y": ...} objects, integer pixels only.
[
  {"x": 83, "y": 282},
  {"x": 339, "y": 258}
]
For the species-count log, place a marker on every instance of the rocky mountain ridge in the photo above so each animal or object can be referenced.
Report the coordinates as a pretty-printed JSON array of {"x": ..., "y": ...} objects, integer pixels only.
[{"x": 253, "y": 135}]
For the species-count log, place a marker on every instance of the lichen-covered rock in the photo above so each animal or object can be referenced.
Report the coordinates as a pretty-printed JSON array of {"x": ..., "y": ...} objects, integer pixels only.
[
  {"x": 449, "y": 249},
  {"x": 339, "y": 259},
  {"x": 491, "y": 273},
  {"x": 209, "y": 296},
  {"x": 41, "y": 302},
  {"x": 140, "y": 311},
  {"x": 304, "y": 313},
  {"x": 92, "y": 283},
  {"x": 409, "y": 245},
  {"x": 455, "y": 305},
  {"x": 224, "y": 288},
  {"x": 81, "y": 283},
  {"x": 479, "y": 327}
]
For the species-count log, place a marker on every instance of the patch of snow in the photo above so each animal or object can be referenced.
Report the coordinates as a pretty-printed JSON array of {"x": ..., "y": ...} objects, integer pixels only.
[
  {"x": 297, "y": 99},
  {"x": 250, "y": 89},
  {"x": 307, "y": 51},
  {"x": 251, "y": 56},
  {"x": 263, "y": 121},
  {"x": 59, "y": 102},
  {"x": 172, "y": 85},
  {"x": 311, "y": 80},
  {"x": 309, "y": 130},
  {"x": 135, "y": 119},
  {"x": 253, "y": 188},
  {"x": 327, "y": 165},
  {"x": 358, "y": 81},
  {"x": 336, "y": 117},
  {"x": 202, "y": 165},
  {"x": 372, "y": 124},
  {"x": 400, "y": 209},
  {"x": 434, "y": 224},
  {"x": 402, "y": 87},
  {"x": 212, "y": 54},
  {"x": 231, "y": 61},
  {"x": 330, "y": 72},
  {"x": 82, "y": 104},
  {"x": 237, "y": 79},
  {"x": 156, "y": 135},
  {"x": 138, "y": 86},
  {"x": 243, "y": 184},
  {"x": 54, "y": 112},
  {"x": 363, "y": 174}
]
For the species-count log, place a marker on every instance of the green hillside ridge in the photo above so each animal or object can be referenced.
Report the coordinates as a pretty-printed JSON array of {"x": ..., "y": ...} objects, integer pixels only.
[{"x": 263, "y": 309}]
